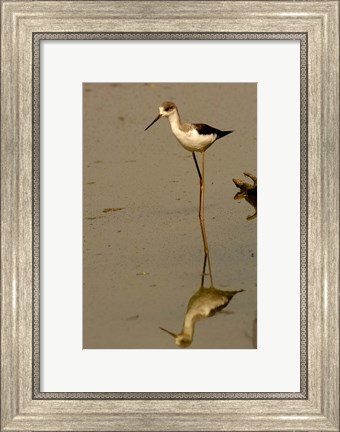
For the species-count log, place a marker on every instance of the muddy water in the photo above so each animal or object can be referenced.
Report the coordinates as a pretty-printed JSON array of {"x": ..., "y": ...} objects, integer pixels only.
[{"x": 142, "y": 245}]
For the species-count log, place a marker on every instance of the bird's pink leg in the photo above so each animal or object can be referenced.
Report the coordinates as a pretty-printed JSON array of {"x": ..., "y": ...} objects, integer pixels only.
[
  {"x": 201, "y": 217},
  {"x": 202, "y": 222}
]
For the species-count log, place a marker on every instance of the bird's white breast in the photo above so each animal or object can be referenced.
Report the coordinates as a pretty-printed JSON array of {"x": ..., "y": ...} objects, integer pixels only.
[{"x": 191, "y": 140}]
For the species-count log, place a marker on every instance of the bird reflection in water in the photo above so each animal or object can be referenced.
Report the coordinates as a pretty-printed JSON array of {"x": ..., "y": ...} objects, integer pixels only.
[
  {"x": 203, "y": 304},
  {"x": 248, "y": 192}
]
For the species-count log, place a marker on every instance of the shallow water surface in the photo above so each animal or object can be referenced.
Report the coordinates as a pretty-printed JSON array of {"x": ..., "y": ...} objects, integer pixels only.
[{"x": 142, "y": 244}]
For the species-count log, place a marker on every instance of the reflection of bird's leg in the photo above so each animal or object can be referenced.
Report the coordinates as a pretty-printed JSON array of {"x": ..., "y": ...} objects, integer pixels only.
[
  {"x": 201, "y": 214},
  {"x": 203, "y": 271}
]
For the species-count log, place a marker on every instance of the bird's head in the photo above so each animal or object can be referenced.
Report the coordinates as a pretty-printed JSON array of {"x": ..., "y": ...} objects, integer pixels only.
[{"x": 165, "y": 110}]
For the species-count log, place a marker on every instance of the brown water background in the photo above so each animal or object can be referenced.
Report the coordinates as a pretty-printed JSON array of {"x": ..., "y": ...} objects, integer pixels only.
[{"x": 142, "y": 245}]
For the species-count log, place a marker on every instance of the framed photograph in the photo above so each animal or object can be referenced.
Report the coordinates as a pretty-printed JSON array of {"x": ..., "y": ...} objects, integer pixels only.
[{"x": 170, "y": 216}]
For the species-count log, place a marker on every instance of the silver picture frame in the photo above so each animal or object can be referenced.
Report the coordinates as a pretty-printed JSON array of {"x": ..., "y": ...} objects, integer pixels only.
[{"x": 24, "y": 25}]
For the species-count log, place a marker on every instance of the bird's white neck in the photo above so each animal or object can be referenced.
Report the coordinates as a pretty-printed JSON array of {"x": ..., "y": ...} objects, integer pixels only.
[{"x": 174, "y": 120}]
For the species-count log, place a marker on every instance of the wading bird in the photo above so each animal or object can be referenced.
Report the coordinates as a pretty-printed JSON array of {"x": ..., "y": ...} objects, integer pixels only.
[{"x": 193, "y": 137}]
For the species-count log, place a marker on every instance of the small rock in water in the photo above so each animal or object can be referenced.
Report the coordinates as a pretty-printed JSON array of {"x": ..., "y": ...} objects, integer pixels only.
[{"x": 107, "y": 210}]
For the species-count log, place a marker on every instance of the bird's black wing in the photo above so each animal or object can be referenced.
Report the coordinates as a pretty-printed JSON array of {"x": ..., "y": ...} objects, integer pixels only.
[{"x": 204, "y": 129}]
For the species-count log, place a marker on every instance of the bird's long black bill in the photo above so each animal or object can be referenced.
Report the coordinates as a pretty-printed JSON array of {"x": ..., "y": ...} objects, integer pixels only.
[{"x": 157, "y": 118}]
